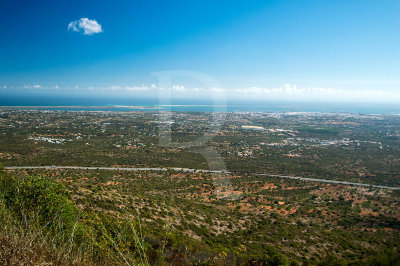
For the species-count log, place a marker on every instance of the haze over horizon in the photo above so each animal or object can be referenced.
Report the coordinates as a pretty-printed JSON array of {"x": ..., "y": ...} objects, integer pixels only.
[{"x": 316, "y": 51}]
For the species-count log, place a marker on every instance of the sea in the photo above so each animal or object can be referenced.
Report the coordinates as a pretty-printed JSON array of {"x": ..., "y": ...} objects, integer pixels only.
[{"x": 115, "y": 104}]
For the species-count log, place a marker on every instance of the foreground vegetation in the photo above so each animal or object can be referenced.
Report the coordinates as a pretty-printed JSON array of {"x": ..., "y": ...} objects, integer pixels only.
[
  {"x": 41, "y": 224},
  {"x": 78, "y": 217}
]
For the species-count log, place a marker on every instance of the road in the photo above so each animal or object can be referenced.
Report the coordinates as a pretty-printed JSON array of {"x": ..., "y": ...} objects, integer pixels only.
[
  {"x": 198, "y": 171},
  {"x": 115, "y": 169}
]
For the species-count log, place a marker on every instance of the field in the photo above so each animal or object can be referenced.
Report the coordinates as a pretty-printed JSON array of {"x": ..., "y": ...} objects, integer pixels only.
[{"x": 234, "y": 217}]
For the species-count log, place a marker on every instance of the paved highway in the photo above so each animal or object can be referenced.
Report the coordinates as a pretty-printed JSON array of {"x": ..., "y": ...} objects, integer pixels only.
[
  {"x": 198, "y": 171},
  {"x": 115, "y": 169}
]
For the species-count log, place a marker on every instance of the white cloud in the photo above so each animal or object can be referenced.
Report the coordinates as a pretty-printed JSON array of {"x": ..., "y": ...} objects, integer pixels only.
[
  {"x": 117, "y": 88},
  {"x": 217, "y": 90},
  {"x": 86, "y": 26},
  {"x": 32, "y": 86},
  {"x": 114, "y": 88},
  {"x": 178, "y": 88},
  {"x": 293, "y": 92},
  {"x": 285, "y": 92},
  {"x": 137, "y": 88}
]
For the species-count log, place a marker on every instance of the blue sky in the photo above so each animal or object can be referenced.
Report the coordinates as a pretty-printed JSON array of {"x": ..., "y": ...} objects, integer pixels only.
[{"x": 250, "y": 48}]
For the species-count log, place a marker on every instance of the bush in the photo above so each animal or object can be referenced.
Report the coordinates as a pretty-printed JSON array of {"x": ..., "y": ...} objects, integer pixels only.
[
  {"x": 38, "y": 212},
  {"x": 385, "y": 258},
  {"x": 37, "y": 196}
]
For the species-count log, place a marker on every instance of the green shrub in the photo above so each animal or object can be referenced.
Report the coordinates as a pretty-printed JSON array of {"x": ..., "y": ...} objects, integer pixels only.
[
  {"x": 32, "y": 196},
  {"x": 385, "y": 258}
]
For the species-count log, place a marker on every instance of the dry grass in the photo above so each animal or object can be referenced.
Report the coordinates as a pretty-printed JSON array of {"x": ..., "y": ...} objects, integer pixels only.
[
  {"x": 31, "y": 236},
  {"x": 20, "y": 252}
]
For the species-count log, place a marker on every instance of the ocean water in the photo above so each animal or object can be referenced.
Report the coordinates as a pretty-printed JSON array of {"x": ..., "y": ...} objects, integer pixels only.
[{"x": 189, "y": 105}]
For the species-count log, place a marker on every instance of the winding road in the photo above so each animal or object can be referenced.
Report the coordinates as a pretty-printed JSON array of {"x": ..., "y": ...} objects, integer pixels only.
[{"x": 163, "y": 169}]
